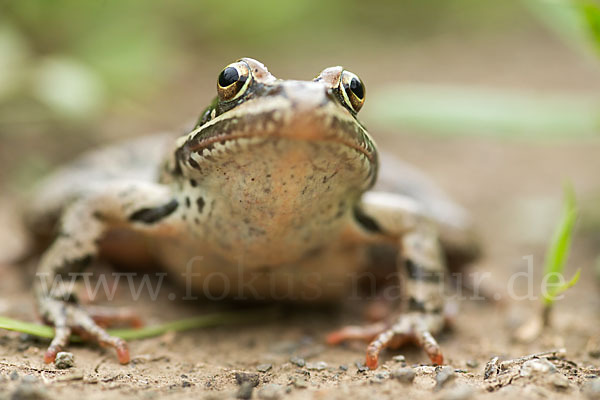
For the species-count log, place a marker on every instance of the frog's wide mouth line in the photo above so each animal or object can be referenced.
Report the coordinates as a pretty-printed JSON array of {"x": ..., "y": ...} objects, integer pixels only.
[
  {"x": 210, "y": 143},
  {"x": 272, "y": 125}
]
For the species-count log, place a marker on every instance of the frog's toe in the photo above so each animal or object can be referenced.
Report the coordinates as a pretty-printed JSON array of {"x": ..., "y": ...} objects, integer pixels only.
[
  {"x": 365, "y": 333},
  {"x": 70, "y": 318},
  {"x": 60, "y": 341},
  {"x": 88, "y": 328},
  {"x": 412, "y": 328}
]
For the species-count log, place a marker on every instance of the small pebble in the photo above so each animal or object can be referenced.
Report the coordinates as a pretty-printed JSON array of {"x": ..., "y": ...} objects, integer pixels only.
[
  {"x": 472, "y": 364},
  {"x": 560, "y": 381},
  {"x": 245, "y": 391},
  {"x": 592, "y": 389},
  {"x": 399, "y": 358},
  {"x": 361, "y": 367},
  {"x": 253, "y": 378},
  {"x": 458, "y": 392},
  {"x": 64, "y": 360},
  {"x": 404, "y": 375},
  {"x": 14, "y": 375},
  {"x": 271, "y": 392},
  {"x": 298, "y": 361},
  {"x": 186, "y": 384},
  {"x": 443, "y": 376},
  {"x": 537, "y": 366},
  {"x": 264, "y": 367},
  {"x": 316, "y": 366},
  {"x": 344, "y": 367},
  {"x": 300, "y": 382},
  {"x": 383, "y": 375}
]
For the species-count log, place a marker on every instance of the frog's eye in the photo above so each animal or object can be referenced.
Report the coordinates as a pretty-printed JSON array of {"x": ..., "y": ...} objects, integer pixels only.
[
  {"x": 353, "y": 90},
  {"x": 233, "y": 81}
]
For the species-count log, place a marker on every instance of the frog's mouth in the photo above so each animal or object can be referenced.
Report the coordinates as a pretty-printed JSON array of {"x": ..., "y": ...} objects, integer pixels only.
[{"x": 321, "y": 124}]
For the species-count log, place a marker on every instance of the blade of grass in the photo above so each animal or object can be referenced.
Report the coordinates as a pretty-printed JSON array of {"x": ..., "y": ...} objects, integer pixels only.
[
  {"x": 591, "y": 12},
  {"x": 202, "y": 321},
  {"x": 560, "y": 245},
  {"x": 569, "y": 19},
  {"x": 569, "y": 284}
]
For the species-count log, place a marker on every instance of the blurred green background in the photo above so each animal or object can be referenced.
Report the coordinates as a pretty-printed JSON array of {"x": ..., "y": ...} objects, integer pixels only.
[{"x": 77, "y": 73}]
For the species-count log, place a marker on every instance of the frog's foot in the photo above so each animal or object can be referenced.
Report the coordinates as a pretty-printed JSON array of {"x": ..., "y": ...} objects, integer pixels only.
[
  {"x": 70, "y": 318},
  {"x": 411, "y": 328}
]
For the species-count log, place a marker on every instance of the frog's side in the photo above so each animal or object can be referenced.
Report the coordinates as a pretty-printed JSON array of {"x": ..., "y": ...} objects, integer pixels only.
[{"x": 268, "y": 197}]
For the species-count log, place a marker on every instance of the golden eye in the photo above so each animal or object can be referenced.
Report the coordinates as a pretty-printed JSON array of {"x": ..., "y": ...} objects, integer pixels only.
[
  {"x": 233, "y": 81},
  {"x": 353, "y": 90}
]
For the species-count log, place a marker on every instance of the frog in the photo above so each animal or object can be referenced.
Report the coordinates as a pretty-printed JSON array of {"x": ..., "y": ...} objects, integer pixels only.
[{"x": 277, "y": 185}]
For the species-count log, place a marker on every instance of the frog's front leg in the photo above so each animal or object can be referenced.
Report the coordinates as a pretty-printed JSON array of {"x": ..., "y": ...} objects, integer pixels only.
[
  {"x": 139, "y": 206},
  {"x": 422, "y": 269}
]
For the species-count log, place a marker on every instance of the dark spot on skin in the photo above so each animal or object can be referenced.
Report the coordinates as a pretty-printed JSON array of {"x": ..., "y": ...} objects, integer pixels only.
[
  {"x": 252, "y": 179},
  {"x": 366, "y": 221},
  {"x": 197, "y": 221},
  {"x": 420, "y": 306},
  {"x": 187, "y": 202},
  {"x": 415, "y": 305},
  {"x": 193, "y": 183},
  {"x": 200, "y": 202},
  {"x": 152, "y": 215},
  {"x": 267, "y": 190},
  {"x": 193, "y": 163},
  {"x": 75, "y": 265},
  {"x": 418, "y": 273},
  {"x": 313, "y": 252},
  {"x": 269, "y": 175},
  {"x": 253, "y": 231}
]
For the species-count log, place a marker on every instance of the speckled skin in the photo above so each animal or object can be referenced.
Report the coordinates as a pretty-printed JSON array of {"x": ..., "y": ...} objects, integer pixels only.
[{"x": 272, "y": 192}]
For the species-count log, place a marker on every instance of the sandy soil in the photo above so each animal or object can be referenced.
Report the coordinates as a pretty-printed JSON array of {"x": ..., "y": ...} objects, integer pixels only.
[
  {"x": 494, "y": 180},
  {"x": 513, "y": 190}
]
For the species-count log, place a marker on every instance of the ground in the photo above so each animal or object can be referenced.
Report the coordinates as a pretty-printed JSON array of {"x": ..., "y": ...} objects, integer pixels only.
[
  {"x": 492, "y": 180},
  {"x": 512, "y": 188}
]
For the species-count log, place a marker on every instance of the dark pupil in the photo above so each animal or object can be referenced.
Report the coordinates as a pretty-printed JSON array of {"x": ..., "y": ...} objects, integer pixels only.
[
  {"x": 357, "y": 88},
  {"x": 228, "y": 76}
]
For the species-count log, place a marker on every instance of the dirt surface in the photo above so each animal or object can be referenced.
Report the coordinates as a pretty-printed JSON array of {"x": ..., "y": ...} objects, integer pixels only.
[
  {"x": 204, "y": 363},
  {"x": 513, "y": 190}
]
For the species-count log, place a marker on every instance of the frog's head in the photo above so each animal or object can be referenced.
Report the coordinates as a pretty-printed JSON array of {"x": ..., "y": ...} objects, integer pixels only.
[
  {"x": 253, "y": 109},
  {"x": 265, "y": 140}
]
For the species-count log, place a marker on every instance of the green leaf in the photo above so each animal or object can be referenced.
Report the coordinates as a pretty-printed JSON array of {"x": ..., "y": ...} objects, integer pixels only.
[
  {"x": 591, "y": 15},
  {"x": 577, "y": 22},
  {"x": 569, "y": 284},
  {"x": 559, "y": 247},
  {"x": 203, "y": 321}
]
